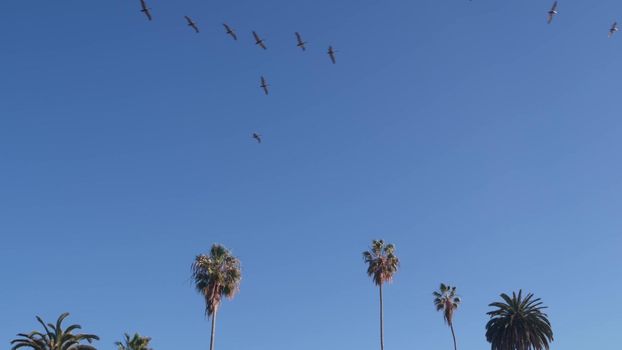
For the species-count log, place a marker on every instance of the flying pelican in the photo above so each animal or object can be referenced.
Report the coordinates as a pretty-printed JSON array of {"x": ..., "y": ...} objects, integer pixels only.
[
  {"x": 259, "y": 41},
  {"x": 331, "y": 54},
  {"x": 145, "y": 9},
  {"x": 257, "y": 137},
  {"x": 191, "y": 24},
  {"x": 264, "y": 85},
  {"x": 230, "y": 31},
  {"x": 614, "y": 29},
  {"x": 552, "y": 12},
  {"x": 301, "y": 43}
]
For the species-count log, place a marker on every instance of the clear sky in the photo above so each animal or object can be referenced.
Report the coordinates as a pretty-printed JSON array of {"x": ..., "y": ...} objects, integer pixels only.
[{"x": 482, "y": 142}]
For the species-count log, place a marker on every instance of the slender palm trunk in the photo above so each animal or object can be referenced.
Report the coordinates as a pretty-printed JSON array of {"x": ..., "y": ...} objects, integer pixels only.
[
  {"x": 381, "y": 321},
  {"x": 211, "y": 343},
  {"x": 451, "y": 325}
]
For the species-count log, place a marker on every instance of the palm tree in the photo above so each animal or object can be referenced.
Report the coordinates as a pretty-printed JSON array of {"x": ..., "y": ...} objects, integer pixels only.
[
  {"x": 382, "y": 265},
  {"x": 518, "y": 323},
  {"x": 446, "y": 300},
  {"x": 135, "y": 342},
  {"x": 54, "y": 337},
  {"x": 216, "y": 275}
]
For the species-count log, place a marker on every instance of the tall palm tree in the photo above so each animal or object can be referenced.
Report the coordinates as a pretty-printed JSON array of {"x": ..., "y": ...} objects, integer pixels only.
[
  {"x": 446, "y": 300},
  {"x": 135, "y": 342},
  {"x": 54, "y": 337},
  {"x": 216, "y": 275},
  {"x": 382, "y": 264},
  {"x": 518, "y": 323}
]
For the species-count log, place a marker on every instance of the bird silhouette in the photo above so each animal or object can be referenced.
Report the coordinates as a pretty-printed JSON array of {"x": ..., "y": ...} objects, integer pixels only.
[
  {"x": 614, "y": 28},
  {"x": 192, "y": 24},
  {"x": 264, "y": 85},
  {"x": 552, "y": 13},
  {"x": 300, "y": 42},
  {"x": 230, "y": 31},
  {"x": 257, "y": 137},
  {"x": 145, "y": 9},
  {"x": 331, "y": 54},
  {"x": 259, "y": 41}
]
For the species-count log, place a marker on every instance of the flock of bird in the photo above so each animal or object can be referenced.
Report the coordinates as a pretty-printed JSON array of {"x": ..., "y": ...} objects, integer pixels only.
[
  {"x": 553, "y": 12},
  {"x": 300, "y": 43}
]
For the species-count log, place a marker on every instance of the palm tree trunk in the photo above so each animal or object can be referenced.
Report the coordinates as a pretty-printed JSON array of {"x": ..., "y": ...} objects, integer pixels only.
[
  {"x": 381, "y": 321},
  {"x": 211, "y": 343},
  {"x": 451, "y": 325}
]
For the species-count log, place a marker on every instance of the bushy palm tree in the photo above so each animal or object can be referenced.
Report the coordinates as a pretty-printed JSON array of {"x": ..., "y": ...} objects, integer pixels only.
[
  {"x": 382, "y": 264},
  {"x": 518, "y": 323},
  {"x": 135, "y": 342},
  {"x": 54, "y": 337},
  {"x": 215, "y": 276},
  {"x": 446, "y": 300}
]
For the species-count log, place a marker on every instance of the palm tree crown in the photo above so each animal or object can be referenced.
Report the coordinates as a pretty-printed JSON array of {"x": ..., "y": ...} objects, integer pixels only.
[
  {"x": 54, "y": 337},
  {"x": 135, "y": 342},
  {"x": 216, "y": 275},
  {"x": 518, "y": 323},
  {"x": 446, "y": 300},
  {"x": 382, "y": 262}
]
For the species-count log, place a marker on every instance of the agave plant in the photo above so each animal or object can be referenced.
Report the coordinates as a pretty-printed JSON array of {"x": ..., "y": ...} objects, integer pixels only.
[
  {"x": 446, "y": 300},
  {"x": 135, "y": 342},
  {"x": 54, "y": 337},
  {"x": 382, "y": 264},
  {"x": 215, "y": 276},
  {"x": 518, "y": 323}
]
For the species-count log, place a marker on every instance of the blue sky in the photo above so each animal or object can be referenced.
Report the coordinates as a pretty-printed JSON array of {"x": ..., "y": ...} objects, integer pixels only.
[{"x": 481, "y": 141}]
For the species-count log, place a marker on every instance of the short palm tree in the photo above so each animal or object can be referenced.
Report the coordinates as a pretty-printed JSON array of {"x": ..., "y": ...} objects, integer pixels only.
[
  {"x": 216, "y": 275},
  {"x": 518, "y": 323},
  {"x": 54, "y": 337},
  {"x": 135, "y": 342},
  {"x": 446, "y": 300},
  {"x": 382, "y": 264}
]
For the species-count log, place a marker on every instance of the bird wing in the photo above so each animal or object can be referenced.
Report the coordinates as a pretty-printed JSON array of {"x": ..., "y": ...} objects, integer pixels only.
[
  {"x": 554, "y": 8},
  {"x": 188, "y": 19},
  {"x": 331, "y": 53},
  {"x": 226, "y": 27},
  {"x": 299, "y": 38},
  {"x": 256, "y": 36},
  {"x": 262, "y": 45},
  {"x": 148, "y": 13},
  {"x": 143, "y": 4}
]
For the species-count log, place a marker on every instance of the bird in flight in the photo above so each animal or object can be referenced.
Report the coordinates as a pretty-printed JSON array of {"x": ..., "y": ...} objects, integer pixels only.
[
  {"x": 145, "y": 9},
  {"x": 257, "y": 137},
  {"x": 331, "y": 54},
  {"x": 264, "y": 85},
  {"x": 614, "y": 28},
  {"x": 300, "y": 42},
  {"x": 230, "y": 31},
  {"x": 192, "y": 24},
  {"x": 259, "y": 41},
  {"x": 552, "y": 12}
]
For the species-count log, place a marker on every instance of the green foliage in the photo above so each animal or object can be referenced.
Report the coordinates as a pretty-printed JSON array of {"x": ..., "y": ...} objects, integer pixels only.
[
  {"x": 54, "y": 337},
  {"x": 382, "y": 262},
  {"x": 446, "y": 300},
  {"x": 215, "y": 276},
  {"x": 518, "y": 323},
  {"x": 136, "y": 342}
]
